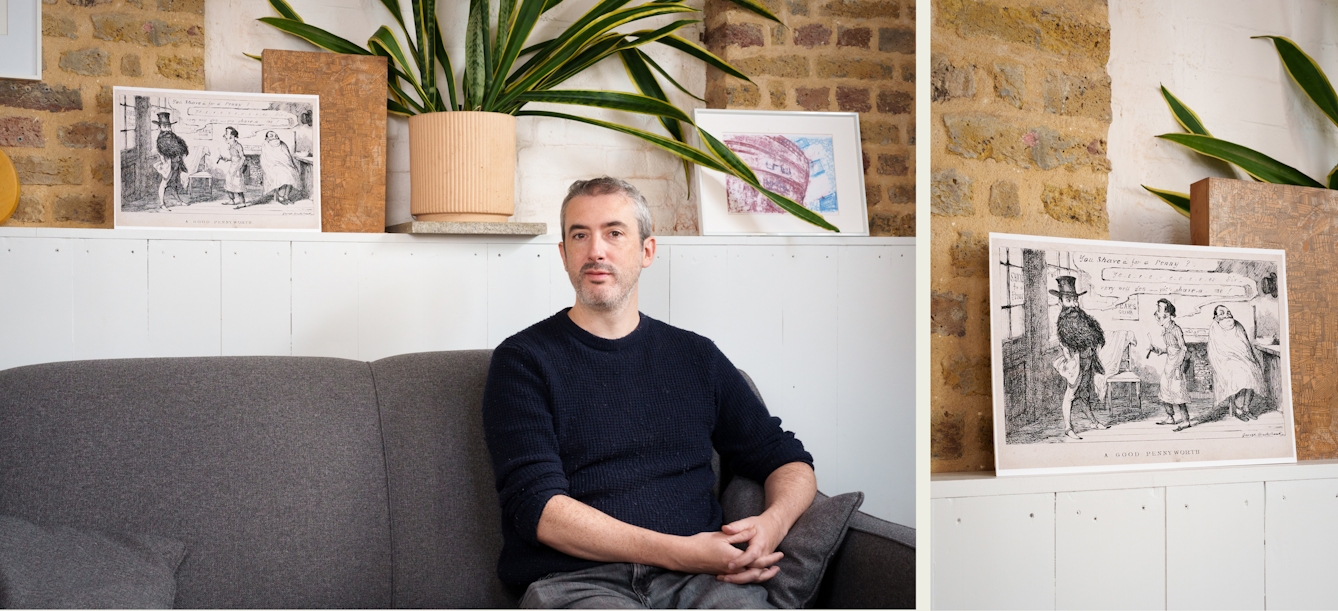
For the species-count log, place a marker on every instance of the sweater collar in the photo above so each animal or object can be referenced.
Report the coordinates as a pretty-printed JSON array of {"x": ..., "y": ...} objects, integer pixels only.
[{"x": 597, "y": 342}]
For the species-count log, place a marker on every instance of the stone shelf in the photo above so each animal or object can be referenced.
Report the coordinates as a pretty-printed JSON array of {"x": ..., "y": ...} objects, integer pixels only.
[{"x": 452, "y": 228}]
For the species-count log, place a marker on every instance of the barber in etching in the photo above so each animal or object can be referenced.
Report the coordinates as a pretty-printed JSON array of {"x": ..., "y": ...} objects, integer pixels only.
[
  {"x": 1174, "y": 389},
  {"x": 1080, "y": 336}
]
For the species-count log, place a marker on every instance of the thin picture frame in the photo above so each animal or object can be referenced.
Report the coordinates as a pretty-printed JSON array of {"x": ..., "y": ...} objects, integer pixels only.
[
  {"x": 1112, "y": 356},
  {"x": 814, "y": 158},
  {"x": 216, "y": 160},
  {"x": 21, "y": 39}
]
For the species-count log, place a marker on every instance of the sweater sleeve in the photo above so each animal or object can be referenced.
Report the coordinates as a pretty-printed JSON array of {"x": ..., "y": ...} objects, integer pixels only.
[
  {"x": 748, "y": 438},
  {"x": 518, "y": 427}
]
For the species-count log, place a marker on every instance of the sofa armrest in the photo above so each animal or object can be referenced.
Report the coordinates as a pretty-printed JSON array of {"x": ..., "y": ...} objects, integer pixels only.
[{"x": 873, "y": 569}]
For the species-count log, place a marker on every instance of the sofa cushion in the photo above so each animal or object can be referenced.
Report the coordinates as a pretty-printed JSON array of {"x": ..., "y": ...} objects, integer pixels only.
[
  {"x": 808, "y": 547},
  {"x": 63, "y": 567},
  {"x": 270, "y": 469},
  {"x": 443, "y": 505}
]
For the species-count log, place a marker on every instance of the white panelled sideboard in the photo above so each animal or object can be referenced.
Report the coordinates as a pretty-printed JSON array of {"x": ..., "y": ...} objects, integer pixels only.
[
  {"x": 825, "y": 326},
  {"x": 1252, "y": 537}
]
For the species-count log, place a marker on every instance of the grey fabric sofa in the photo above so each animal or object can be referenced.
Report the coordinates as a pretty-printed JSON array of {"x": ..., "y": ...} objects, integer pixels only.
[{"x": 306, "y": 482}]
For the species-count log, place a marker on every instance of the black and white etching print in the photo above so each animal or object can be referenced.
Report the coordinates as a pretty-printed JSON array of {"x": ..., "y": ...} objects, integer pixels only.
[
  {"x": 216, "y": 159},
  {"x": 1120, "y": 355}
]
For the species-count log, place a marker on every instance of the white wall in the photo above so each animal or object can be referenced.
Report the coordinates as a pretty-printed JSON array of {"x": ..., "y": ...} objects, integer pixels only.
[
  {"x": 823, "y": 325},
  {"x": 551, "y": 153},
  {"x": 1202, "y": 51}
]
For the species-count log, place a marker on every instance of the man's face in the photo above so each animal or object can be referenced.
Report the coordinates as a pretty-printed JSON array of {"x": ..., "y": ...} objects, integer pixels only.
[
  {"x": 1069, "y": 301},
  {"x": 602, "y": 250}
]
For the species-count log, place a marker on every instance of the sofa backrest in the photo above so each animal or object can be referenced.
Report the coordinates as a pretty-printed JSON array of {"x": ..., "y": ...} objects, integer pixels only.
[
  {"x": 444, "y": 510},
  {"x": 270, "y": 469}
]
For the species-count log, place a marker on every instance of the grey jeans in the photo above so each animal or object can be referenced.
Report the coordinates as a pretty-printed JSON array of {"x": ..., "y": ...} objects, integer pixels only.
[{"x": 637, "y": 586}]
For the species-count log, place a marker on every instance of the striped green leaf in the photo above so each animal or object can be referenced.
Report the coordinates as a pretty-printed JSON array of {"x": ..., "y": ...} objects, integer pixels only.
[
  {"x": 1179, "y": 201},
  {"x": 1308, "y": 75},
  {"x": 641, "y": 76},
  {"x": 476, "y": 63},
  {"x": 1332, "y": 178},
  {"x": 1256, "y": 164},
  {"x": 615, "y": 100},
  {"x": 1188, "y": 119},
  {"x": 697, "y": 51},
  {"x": 741, "y": 169},
  {"x": 315, "y": 35},
  {"x": 284, "y": 10},
  {"x": 650, "y": 61}
]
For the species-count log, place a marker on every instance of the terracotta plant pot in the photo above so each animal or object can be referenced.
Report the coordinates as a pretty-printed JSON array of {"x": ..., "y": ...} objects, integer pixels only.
[{"x": 462, "y": 166}]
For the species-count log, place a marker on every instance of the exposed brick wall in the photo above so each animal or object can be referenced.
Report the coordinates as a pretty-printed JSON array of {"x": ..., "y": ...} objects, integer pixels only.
[
  {"x": 832, "y": 55},
  {"x": 1020, "y": 111},
  {"x": 57, "y": 130}
]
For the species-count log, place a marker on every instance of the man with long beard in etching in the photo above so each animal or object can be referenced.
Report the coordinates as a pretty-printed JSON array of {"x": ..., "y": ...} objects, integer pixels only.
[{"x": 1080, "y": 336}]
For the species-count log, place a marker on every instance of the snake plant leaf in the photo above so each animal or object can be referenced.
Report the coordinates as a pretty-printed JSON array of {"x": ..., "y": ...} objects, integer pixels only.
[
  {"x": 525, "y": 19},
  {"x": 385, "y": 40},
  {"x": 641, "y": 76},
  {"x": 505, "y": 13},
  {"x": 668, "y": 144},
  {"x": 1177, "y": 200},
  {"x": 569, "y": 45},
  {"x": 445, "y": 60},
  {"x": 426, "y": 24},
  {"x": 394, "y": 7},
  {"x": 651, "y": 61},
  {"x": 284, "y": 10},
  {"x": 1256, "y": 164},
  {"x": 1332, "y": 178},
  {"x": 1188, "y": 119},
  {"x": 399, "y": 109},
  {"x": 315, "y": 35},
  {"x": 1308, "y": 75},
  {"x": 695, "y": 50},
  {"x": 741, "y": 169},
  {"x": 476, "y": 66},
  {"x": 610, "y": 44},
  {"x": 255, "y": 57},
  {"x": 614, "y": 100}
]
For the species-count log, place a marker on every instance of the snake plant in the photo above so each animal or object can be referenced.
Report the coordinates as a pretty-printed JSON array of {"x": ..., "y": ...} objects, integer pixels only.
[
  {"x": 1309, "y": 76},
  {"x": 504, "y": 71}
]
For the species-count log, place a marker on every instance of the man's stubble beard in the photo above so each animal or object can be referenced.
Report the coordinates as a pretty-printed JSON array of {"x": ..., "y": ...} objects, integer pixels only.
[{"x": 588, "y": 297}]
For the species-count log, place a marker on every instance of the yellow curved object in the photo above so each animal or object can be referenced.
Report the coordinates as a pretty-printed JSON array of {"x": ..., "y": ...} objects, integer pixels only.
[{"x": 9, "y": 188}]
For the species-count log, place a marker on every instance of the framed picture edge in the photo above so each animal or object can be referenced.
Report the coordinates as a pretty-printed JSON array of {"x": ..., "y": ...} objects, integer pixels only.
[
  {"x": 996, "y": 355},
  {"x": 118, "y": 90},
  {"x": 35, "y": 61},
  {"x": 863, "y": 230}
]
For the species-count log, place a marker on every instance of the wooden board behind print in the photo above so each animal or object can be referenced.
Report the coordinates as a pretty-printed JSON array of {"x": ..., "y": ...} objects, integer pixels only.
[
  {"x": 353, "y": 125},
  {"x": 1304, "y": 222}
]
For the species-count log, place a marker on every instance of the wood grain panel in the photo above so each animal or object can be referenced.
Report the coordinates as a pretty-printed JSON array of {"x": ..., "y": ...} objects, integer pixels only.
[
  {"x": 352, "y": 128},
  {"x": 1304, "y": 222}
]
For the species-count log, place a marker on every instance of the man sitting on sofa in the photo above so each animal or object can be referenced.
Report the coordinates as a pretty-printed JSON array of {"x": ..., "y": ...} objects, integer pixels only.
[{"x": 601, "y": 421}]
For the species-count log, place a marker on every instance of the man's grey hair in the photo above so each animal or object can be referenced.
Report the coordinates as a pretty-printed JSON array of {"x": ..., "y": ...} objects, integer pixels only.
[{"x": 605, "y": 185}]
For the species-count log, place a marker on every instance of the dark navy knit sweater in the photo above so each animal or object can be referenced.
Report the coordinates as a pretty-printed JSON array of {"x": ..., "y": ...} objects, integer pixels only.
[{"x": 625, "y": 426}]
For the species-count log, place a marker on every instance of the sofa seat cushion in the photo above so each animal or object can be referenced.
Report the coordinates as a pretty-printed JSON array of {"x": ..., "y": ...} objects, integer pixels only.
[{"x": 64, "y": 567}]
